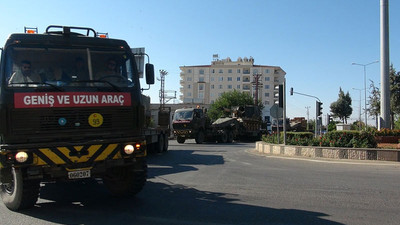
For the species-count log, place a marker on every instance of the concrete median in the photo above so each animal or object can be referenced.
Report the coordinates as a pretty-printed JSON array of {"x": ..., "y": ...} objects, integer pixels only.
[{"x": 329, "y": 152}]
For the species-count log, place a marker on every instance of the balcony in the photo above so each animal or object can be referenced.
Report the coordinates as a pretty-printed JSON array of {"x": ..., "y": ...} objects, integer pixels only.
[{"x": 246, "y": 79}]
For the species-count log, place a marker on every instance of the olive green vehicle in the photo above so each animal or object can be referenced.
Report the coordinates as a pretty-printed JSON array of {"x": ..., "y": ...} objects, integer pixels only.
[
  {"x": 193, "y": 123},
  {"x": 69, "y": 124}
]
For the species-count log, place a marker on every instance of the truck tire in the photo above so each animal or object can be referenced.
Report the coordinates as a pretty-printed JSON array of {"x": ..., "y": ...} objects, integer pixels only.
[
  {"x": 122, "y": 181},
  {"x": 20, "y": 193},
  {"x": 224, "y": 137},
  {"x": 230, "y": 137},
  {"x": 159, "y": 145},
  {"x": 180, "y": 140},
  {"x": 166, "y": 140},
  {"x": 199, "y": 137}
]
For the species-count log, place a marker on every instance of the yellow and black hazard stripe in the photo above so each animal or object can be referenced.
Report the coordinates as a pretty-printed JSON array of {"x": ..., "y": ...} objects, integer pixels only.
[{"x": 76, "y": 154}]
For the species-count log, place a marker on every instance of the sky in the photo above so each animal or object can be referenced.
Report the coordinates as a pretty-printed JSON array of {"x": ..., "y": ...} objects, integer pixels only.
[{"x": 314, "y": 41}]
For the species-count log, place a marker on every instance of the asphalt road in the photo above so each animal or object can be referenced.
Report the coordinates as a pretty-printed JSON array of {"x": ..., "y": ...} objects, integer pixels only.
[{"x": 229, "y": 184}]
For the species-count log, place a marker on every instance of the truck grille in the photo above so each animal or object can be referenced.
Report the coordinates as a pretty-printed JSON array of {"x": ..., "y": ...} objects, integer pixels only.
[{"x": 35, "y": 121}]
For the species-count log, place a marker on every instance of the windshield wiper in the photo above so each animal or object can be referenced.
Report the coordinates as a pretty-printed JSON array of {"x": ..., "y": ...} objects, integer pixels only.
[{"x": 45, "y": 83}]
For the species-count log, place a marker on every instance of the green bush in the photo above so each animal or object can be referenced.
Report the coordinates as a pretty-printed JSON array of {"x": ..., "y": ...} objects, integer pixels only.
[
  {"x": 347, "y": 139},
  {"x": 387, "y": 132}
]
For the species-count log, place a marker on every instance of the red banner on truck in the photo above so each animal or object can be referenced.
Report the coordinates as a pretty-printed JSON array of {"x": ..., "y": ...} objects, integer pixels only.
[{"x": 70, "y": 99}]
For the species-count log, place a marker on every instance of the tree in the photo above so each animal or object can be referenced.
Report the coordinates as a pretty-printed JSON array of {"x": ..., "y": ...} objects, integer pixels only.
[
  {"x": 375, "y": 97},
  {"x": 342, "y": 107},
  {"x": 374, "y": 102},
  {"x": 394, "y": 79},
  {"x": 223, "y": 105}
]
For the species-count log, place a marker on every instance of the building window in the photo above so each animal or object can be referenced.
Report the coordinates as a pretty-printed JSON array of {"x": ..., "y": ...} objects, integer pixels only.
[
  {"x": 189, "y": 86},
  {"x": 246, "y": 71},
  {"x": 255, "y": 71},
  {"x": 212, "y": 86},
  {"x": 266, "y": 102},
  {"x": 276, "y": 80},
  {"x": 211, "y": 94},
  {"x": 212, "y": 78},
  {"x": 246, "y": 79},
  {"x": 266, "y": 94},
  {"x": 201, "y": 87},
  {"x": 237, "y": 78},
  {"x": 266, "y": 86},
  {"x": 201, "y": 79},
  {"x": 189, "y": 94},
  {"x": 220, "y": 71},
  {"x": 229, "y": 78},
  {"x": 266, "y": 70},
  {"x": 212, "y": 71},
  {"x": 238, "y": 70},
  {"x": 201, "y": 95},
  {"x": 220, "y": 78},
  {"x": 238, "y": 86},
  {"x": 229, "y": 70},
  {"x": 189, "y": 79},
  {"x": 267, "y": 78},
  {"x": 220, "y": 86},
  {"x": 201, "y": 71},
  {"x": 229, "y": 86},
  {"x": 189, "y": 71},
  {"x": 219, "y": 94}
]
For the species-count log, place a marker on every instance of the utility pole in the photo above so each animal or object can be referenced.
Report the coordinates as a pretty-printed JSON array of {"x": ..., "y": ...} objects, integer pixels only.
[
  {"x": 256, "y": 77},
  {"x": 163, "y": 73},
  {"x": 308, "y": 115}
]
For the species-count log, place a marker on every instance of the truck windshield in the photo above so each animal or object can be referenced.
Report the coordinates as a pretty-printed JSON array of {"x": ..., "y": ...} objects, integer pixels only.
[
  {"x": 33, "y": 67},
  {"x": 183, "y": 115}
]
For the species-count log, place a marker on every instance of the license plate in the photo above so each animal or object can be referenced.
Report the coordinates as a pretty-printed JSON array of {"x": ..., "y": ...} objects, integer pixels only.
[{"x": 79, "y": 174}]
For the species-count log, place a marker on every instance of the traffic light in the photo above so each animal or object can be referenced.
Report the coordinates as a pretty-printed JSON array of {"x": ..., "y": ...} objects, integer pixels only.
[
  {"x": 291, "y": 91},
  {"x": 319, "y": 108},
  {"x": 281, "y": 96}
]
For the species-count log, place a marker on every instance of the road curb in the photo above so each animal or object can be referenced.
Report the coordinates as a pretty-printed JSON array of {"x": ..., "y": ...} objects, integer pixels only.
[{"x": 392, "y": 155}]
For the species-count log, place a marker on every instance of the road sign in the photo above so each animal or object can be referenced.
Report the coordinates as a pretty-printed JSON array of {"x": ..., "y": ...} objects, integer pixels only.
[{"x": 276, "y": 111}]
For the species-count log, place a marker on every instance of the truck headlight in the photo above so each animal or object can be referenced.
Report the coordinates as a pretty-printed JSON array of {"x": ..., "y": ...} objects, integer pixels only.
[
  {"x": 129, "y": 149},
  {"x": 21, "y": 157}
]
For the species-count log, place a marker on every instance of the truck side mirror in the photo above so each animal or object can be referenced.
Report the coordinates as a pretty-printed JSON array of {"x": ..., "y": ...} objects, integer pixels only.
[{"x": 149, "y": 73}]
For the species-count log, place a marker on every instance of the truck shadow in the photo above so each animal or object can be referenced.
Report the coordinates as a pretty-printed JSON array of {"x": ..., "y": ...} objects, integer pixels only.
[
  {"x": 180, "y": 161},
  {"x": 159, "y": 203},
  {"x": 88, "y": 202}
]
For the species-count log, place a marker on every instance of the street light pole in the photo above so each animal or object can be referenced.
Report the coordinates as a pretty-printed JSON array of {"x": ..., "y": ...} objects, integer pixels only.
[
  {"x": 359, "y": 121},
  {"x": 365, "y": 87}
]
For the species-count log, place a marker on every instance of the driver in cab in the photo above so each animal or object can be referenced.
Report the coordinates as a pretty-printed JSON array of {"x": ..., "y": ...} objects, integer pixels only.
[
  {"x": 24, "y": 75},
  {"x": 111, "y": 69}
]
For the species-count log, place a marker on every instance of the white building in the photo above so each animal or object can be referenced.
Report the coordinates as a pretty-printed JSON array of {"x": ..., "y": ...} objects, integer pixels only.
[{"x": 205, "y": 83}]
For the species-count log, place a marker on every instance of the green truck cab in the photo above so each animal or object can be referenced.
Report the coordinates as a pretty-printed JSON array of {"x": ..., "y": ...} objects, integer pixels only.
[{"x": 77, "y": 114}]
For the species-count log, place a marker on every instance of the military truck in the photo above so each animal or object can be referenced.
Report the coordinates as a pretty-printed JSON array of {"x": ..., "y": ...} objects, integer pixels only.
[
  {"x": 61, "y": 122},
  {"x": 250, "y": 122},
  {"x": 193, "y": 123},
  {"x": 243, "y": 124}
]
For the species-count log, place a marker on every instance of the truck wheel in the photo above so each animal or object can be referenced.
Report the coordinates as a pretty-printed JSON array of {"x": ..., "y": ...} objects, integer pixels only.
[
  {"x": 160, "y": 144},
  {"x": 165, "y": 143},
  {"x": 224, "y": 137},
  {"x": 230, "y": 137},
  {"x": 122, "y": 181},
  {"x": 19, "y": 193},
  {"x": 180, "y": 140},
  {"x": 200, "y": 137}
]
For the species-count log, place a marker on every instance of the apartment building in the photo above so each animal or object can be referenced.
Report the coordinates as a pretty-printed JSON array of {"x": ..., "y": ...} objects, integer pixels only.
[{"x": 203, "y": 84}]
